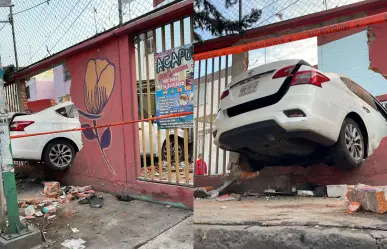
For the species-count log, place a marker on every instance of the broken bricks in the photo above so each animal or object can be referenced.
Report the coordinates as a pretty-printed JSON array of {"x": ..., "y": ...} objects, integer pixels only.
[
  {"x": 371, "y": 198},
  {"x": 51, "y": 189},
  {"x": 228, "y": 197}
]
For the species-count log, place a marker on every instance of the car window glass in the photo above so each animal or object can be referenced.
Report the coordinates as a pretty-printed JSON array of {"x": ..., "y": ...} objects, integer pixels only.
[
  {"x": 62, "y": 111},
  {"x": 347, "y": 82},
  {"x": 70, "y": 111},
  {"x": 364, "y": 95}
]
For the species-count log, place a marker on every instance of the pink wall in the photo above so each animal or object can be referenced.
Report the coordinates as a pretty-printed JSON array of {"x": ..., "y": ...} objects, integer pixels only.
[{"x": 111, "y": 163}]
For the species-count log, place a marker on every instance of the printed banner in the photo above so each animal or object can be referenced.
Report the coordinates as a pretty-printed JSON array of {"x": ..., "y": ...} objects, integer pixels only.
[{"x": 175, "y": 86}]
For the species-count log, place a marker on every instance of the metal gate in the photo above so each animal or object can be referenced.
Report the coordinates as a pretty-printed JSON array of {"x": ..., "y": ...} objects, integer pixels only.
[
  {"x": 213, "y": 77},
  {"x": 171, "y": 148},
  {"x": 13, "y": 97}
]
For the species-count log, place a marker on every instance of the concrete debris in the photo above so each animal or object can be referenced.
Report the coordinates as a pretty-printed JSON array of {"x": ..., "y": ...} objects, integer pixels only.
[
  {"x": 51, "y": 217},
  {"x": 85, "y": 188},
  {"x": 305, "y": 193},
  {"x": 49, "y": 209},
  {"x": 38, "y": 214},
  {"x": 335, "y": 191},
  {"x": 30, "y": 210},
  {"x": 353, "y": 207},
  {"x": 74, "y": 244},
  {"x": 230, "y": 197},
  {"x": 51, "y": 189},
  {"x": 273, "y": 192},
  {"x": 74, "y": 230},
  {"x": 371, "y": 198}
]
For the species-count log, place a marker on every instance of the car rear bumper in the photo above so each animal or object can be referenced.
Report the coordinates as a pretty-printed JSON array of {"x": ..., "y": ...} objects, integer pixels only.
[
  {"x": 263, "y": 134},
  {"x": 321, "y": 123}
]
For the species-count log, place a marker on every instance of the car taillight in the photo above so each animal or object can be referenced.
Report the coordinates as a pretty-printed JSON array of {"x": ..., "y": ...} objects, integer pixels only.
[
  {"x": 225, "y": 94},
  {"x": 311, "y": 77},
  {"x": 20, "y": 125},
  {"x": 283, "y": 72}
]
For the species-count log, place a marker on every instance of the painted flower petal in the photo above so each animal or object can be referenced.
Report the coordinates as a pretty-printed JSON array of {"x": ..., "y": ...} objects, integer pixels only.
[
  {"x": 89, "y": 133},
  {"x": 99, "y": 84},
  {"x": 106, "y": 138}
]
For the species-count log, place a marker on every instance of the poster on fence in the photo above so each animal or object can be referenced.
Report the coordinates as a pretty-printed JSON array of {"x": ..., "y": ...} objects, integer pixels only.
[{"x": 175, "y": 86}]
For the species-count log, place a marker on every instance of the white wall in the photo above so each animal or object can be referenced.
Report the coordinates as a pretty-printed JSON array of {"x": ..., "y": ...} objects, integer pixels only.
[
  {"x": 31, "y": 84},
  {"x": 350, "y": 56},
  {"x": 207, "y": 137},
  {"x": 62, "y": 87}
]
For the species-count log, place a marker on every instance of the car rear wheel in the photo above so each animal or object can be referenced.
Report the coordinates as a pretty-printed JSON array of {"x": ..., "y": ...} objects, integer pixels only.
[
  {"x": 180, "y": 149},
  {"x": 59, "y": 155},
  {"x": 349, "y": 150}
]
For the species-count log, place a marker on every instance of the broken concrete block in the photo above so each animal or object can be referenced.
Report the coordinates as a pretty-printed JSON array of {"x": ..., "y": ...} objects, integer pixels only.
[
  {"x": 305, "y": 193},
  {"x": 38, "y": 214},
  {"x": 335, "y": 191},
  {"x": 85, "y": 188},
  {"x": 353, "y": 207},
  {"x": 371, "y": 198},
  {"x": 30, "y": 210}
]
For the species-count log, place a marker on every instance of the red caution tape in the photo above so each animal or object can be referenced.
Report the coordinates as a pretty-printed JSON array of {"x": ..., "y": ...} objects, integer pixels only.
[
  {"x": 335, "y": 28},
  {"x": 180, "y": 114}
]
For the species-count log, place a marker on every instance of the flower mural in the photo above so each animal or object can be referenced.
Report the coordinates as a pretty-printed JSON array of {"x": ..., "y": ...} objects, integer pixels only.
[{"x": 97, "y": 90}]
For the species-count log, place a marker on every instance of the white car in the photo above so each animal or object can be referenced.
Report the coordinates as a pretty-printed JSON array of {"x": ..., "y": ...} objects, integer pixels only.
[
  {"x": 289, "y": 113},
  {"x": 180, "y": 134},
  {"x": 58, "y": 150}
]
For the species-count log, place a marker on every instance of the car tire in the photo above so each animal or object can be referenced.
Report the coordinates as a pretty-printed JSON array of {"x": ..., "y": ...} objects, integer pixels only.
[
  {"x": 59, "y": 155},
  {"x": 349, "y": 150},
  {"x": 181, "y": 149}
]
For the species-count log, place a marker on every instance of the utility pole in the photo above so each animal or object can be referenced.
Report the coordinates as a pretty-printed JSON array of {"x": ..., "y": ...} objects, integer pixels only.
[
  {"x": 120, "y": 11},
  {"x": 11, "y": 20},
  {"x": 15, "y": 228},
  {"x": 240, "y": 15}
]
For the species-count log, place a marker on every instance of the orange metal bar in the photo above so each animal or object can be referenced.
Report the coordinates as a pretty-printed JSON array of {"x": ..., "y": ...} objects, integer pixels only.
[
  {"x": 103, "y": 126},
  {"x": 331, "y": 29}
]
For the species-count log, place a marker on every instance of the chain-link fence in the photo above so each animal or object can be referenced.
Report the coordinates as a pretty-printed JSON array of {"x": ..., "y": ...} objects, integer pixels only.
[
  {"x": 45, "y": 27},
  {"x": 226, "y": 13}
]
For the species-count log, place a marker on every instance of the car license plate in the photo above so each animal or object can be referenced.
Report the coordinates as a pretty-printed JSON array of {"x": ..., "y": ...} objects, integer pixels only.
[{"x": 248, "y": 88}]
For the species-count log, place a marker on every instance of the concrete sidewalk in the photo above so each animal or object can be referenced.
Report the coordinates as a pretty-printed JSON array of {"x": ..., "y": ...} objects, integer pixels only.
[
  {"x": 117, "y": 225},
  {"x": 286, "y": 223}
]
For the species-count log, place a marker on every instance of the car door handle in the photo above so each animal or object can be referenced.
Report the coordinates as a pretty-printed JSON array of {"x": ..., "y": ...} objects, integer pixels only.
[{"x": 366, "y": 109}]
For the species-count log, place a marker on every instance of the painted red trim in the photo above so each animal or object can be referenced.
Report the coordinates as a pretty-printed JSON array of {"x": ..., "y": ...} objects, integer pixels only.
[
  {"x": 315, "y": 18},
  {"x": 382, "y": 98},
  {"x": 164, "y": 16}
]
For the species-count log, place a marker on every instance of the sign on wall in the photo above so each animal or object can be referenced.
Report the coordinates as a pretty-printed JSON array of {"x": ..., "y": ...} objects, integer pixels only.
[{"x": 175, "y": 86}]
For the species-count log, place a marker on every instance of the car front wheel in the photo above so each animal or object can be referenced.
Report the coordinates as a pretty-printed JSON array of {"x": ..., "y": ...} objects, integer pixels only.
[
  {"x": 349, "y": 150},
  {"x": 59, "y": 155}
]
